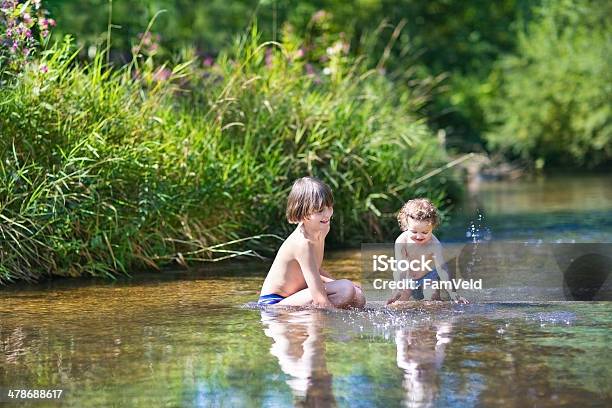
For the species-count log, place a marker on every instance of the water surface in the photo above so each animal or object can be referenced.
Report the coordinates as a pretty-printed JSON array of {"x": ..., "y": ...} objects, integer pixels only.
[{"x": 183, "y": 339}]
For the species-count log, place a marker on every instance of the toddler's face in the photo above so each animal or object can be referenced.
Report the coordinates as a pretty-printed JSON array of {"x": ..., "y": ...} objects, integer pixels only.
[
  {"x": 420, "y": 231},
  {"x": 320, "y": 219}
]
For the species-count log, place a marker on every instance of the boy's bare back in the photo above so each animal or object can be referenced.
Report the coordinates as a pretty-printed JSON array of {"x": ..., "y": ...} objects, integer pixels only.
[{"x": 285, "y": 276}]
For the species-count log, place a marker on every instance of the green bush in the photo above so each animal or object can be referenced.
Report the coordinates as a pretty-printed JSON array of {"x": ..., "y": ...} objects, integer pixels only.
[
  {"x": 555, "y": 101},
  {"x": 103, "y": 171}
]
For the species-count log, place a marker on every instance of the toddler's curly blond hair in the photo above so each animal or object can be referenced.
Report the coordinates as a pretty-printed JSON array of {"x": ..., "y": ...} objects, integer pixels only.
[{"x": 420, "y": 209}]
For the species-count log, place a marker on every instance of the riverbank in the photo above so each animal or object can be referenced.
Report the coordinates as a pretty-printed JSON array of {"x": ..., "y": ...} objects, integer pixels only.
[{"x": 106, "y": 171}]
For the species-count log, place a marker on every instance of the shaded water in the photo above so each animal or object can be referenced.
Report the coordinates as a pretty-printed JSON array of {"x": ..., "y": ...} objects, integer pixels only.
[
  {"x": 551, "y": 209},
  {"x": 188, "y": 340}
]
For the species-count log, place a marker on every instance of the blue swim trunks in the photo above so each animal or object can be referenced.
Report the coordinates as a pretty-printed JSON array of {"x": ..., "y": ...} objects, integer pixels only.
[
  {"x": 270, "y": 299},
  {"x": 418, "y": 292}
]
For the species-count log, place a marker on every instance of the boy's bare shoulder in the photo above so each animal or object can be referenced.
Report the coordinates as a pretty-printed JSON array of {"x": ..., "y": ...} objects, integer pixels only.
[{"x": 297, "y": 242}]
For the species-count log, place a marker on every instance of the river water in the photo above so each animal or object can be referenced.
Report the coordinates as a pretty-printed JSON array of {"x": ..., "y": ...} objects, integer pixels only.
[{"x": 194, "y": 339}]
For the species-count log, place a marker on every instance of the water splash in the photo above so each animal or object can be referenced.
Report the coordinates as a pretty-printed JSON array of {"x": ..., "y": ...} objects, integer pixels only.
[{"x": 478, "y": 231}]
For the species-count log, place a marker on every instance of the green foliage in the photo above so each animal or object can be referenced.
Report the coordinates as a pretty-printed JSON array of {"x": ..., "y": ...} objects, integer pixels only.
[
  {"x": 104, "y": 171},
  {"x": 555, "y": 105},
  {"x": 437, "y": 37},
  {"x": 22, "y": 25}
]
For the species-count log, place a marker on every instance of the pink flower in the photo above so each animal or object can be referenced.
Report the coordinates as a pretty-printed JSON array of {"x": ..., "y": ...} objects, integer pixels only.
[
  {"x": 268, "y": 57},
  {"x": 208, "y": 61},
  {"x": 44, "y": 69},
  {"x": 309, "y": 69},
  {"x": 319, "y": 16},
  {"x": 162, "y": 74}
]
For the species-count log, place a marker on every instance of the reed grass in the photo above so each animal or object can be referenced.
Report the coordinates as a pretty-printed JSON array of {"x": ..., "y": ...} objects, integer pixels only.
[{"x": 105, "y": 170}]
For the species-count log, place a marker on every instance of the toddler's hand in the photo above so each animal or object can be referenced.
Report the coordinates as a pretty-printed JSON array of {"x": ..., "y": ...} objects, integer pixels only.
[
  {"x": 394, "y": 298},
  {"x": 459, "y": 299}
]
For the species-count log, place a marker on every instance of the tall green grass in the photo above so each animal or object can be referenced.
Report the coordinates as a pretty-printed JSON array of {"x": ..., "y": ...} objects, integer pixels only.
[{"x": 104, "y": 171}]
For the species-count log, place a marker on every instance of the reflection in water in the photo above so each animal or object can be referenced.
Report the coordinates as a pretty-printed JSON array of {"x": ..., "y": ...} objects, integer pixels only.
[
  {"x": 299, "y": 346},
  {"x": 551, "y": 209},
  {"x": 420, "y": 354},
  {"x": 182, "y": 340},
  {"x": 105, "y": 349}
]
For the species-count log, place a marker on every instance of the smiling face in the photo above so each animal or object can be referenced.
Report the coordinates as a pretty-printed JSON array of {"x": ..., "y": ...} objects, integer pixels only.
[
  {"x": 420, "y": 231},
  {"x": 319, "y": 220}
]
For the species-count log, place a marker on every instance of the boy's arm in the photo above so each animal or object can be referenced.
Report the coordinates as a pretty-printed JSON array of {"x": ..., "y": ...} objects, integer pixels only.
[{"x": 308, "y": 264}]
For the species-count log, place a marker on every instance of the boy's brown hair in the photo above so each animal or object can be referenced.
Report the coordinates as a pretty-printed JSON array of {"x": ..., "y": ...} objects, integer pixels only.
[
  {"x": 419, "y": 209},
  {"x": 308, "y": 195}
]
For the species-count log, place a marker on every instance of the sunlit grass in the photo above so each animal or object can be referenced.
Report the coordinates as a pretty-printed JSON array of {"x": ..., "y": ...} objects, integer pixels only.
[{"x": 107, "y": 170}]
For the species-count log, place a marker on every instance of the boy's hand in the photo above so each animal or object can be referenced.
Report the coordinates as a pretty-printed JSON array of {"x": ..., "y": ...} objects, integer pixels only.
[{"x": 323, "y": 304}]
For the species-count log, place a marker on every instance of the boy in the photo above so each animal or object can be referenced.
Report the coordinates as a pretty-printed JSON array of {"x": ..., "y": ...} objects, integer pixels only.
[
  {"x": 296, "y": 277},
  {"x": 417, "y": 219}
]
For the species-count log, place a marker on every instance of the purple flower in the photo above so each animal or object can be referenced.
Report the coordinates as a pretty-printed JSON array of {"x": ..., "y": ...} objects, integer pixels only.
[
  {"x": 7, "y": 5},
  {"x": 44, "y": 69},
  {"x": 208, "y": 61}
]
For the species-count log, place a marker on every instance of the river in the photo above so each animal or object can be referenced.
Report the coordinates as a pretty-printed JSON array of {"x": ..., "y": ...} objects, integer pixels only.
[{"x": 193, "y": 339}]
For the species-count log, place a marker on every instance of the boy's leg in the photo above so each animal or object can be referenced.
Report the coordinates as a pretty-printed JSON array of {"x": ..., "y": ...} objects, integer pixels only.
[
  {"x": 341, "y": 293},
  {"x": 359, "y": 299}
]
